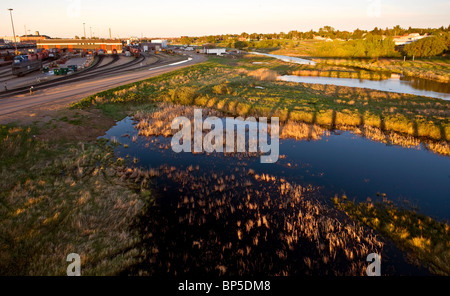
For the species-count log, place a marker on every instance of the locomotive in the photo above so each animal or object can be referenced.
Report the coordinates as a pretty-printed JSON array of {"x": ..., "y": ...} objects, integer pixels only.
[{"x": 26, "y": 63}]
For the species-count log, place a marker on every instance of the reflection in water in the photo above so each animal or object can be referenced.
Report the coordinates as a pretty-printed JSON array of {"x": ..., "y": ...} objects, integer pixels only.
[
  {"x": 416, "y": 87},
  {"x": 339, "y": 161},
  {"x": 213, "y": 222},
  {"x": 229, "y": 214},
  {"x": 397, "y": 83},
  {"x": 428, "y": 85}
]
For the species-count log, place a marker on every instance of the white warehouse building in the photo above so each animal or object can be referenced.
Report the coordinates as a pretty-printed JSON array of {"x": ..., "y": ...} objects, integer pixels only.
[
  {"x": 163, "y": 43},
  {"x": 217, "y": 51}
]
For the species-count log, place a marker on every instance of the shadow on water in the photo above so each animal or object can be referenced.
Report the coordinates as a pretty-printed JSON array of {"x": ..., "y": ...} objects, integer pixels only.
[{"x": 222, "y": 214}]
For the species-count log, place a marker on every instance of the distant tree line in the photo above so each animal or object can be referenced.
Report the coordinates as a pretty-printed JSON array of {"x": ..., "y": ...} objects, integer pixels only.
[
  {"x": 326, "y": 32},
  {"x": 372, "y": 46},
  {"x": 430, "y": 46},
  {"x": 361, "y": 43}
]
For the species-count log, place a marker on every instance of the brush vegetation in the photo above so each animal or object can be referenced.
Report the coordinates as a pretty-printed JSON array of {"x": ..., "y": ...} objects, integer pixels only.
[
  {"x": 59, "y": 197},
  {"x": 242, "y": 87},
  {"x": 437, "y": 69},
  {"x": 426, "y": 239}
]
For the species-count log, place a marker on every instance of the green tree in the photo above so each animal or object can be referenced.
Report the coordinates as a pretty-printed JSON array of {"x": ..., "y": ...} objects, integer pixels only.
[
  {"x": 357, "y": 34},
  {"x": 426, "y": 47},
  {"x": 211, "y": 39},
  {"x": 186, "y": 40},
  {"x": 240, "y": 44}
]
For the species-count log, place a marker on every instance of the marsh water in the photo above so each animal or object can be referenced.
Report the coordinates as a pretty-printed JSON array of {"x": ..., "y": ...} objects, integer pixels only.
[
  {"x": 397, "y": 83},
  {"x": 405, "y": 85},
  {"x": 182, "y": 236},
  {"x": 339, "y": 163},
  {"x": 229, "y": 214}
]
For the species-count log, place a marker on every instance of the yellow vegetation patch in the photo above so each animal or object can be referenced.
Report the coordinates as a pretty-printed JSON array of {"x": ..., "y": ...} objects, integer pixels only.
[{"x": 264, "y": 74}]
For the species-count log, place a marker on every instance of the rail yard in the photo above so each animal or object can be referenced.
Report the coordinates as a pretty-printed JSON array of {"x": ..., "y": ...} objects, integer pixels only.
[{"x": 35, "y": 73}]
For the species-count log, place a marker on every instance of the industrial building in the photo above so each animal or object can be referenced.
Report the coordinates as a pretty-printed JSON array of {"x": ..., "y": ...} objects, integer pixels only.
[
  {"x": 148, "y": 46},
  {"x": 161, "y": 42},
  {"x": 33, "y": 38},
  {"x": 26, "y": 38},
  {"x": 107, "y": 45},
  {"x": 216, "y": 51}
]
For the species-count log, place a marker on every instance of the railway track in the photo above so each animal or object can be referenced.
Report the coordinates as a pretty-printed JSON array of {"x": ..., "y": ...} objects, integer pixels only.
[
  {"x": 51, "y": 83},
  {"x": 10, "y": 76},
  {"x": 4, "y": 71},
  {"x": 93, "y": 71},
  {"x": 115, "y": 59}
]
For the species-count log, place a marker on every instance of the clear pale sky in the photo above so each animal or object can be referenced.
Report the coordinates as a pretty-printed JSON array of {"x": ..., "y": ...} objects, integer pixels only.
[{"x": 172, "y": 18}]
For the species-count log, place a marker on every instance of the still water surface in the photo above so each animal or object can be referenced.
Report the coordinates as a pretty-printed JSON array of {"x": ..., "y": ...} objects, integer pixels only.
[
  {"x": 340, "y": 162},
  {"x": 402, "y": 84}
]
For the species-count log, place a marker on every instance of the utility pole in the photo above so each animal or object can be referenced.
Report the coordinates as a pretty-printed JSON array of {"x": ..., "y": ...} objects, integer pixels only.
[
  {"x": 90, "y": 29},
  {"x": 110, "y": 33},
  {"x": 14, "y": 32},
  {"x": 84, "y": 29}
]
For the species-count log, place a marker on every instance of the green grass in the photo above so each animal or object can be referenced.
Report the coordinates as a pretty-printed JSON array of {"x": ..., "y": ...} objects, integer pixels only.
[
  {"x": 59, "y": 197},
  {"x": 329, "y": 54},
  {"x": 326, "y": 105},
  {"x": 433, "y": 69},
  {"x": 426, "y": 239}
]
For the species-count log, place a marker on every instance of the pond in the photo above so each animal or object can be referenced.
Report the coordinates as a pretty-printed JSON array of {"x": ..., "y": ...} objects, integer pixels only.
[
  {"x": 340, "y": 162},
  {"x": 193, "y": 227},
  {"x": 397, "y": 83},
  {"x": 414, "y": 86}
]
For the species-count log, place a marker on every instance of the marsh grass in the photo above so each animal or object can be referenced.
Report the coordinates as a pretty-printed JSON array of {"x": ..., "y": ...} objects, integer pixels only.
[
  {"x": 157, "y": 122},
  {"x": 248, "y": 89},
  {"x": 60, "y": 197},
  {"x": 426, "y": 239},
  {"x": 434, "y": 69},
  {"x": 235, "y": 87},
  {"x": 243, "y": 222}
]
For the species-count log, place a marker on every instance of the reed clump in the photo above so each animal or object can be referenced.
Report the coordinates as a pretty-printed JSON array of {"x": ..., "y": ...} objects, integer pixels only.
[
  {"x": 223, "y": 223},
  {"x": 60, "y": 198},
  {"x": 424, "y": 238}
]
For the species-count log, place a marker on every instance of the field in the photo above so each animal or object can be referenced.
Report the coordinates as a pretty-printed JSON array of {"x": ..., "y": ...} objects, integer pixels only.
[
  {"x": 330, "y": 54},
  {"x": 67, "y": 188},
  {"x": 244, "y": 88},
  {"x": 60, "y": 194}
]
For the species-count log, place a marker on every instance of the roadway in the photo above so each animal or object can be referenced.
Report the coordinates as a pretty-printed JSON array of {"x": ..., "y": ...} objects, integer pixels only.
[{"x": 53, "y": 98}]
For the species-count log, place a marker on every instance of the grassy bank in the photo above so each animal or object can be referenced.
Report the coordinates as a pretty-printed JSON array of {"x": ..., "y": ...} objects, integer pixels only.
[
  {"x": 63, "y": 191},
  {"x": 338, "y": 53},
  {"x": 437, "y": 69},
  {"x": 241, "y": 87},
  {"x": 427, "y": 240},
  {"x": 60, "y": 194},
  {"x": 247, "y": 86}
]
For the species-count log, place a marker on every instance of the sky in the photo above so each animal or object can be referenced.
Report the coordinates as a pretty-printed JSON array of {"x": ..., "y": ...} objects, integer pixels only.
[{"x": 174, "y": 18}]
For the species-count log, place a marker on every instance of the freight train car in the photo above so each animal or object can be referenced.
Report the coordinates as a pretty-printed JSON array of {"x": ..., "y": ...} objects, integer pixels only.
[{"x": 22, "y": 65}]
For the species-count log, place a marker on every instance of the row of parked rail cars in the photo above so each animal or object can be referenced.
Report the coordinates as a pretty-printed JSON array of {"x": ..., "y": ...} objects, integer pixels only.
[{"x": 27, "y": 63}]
